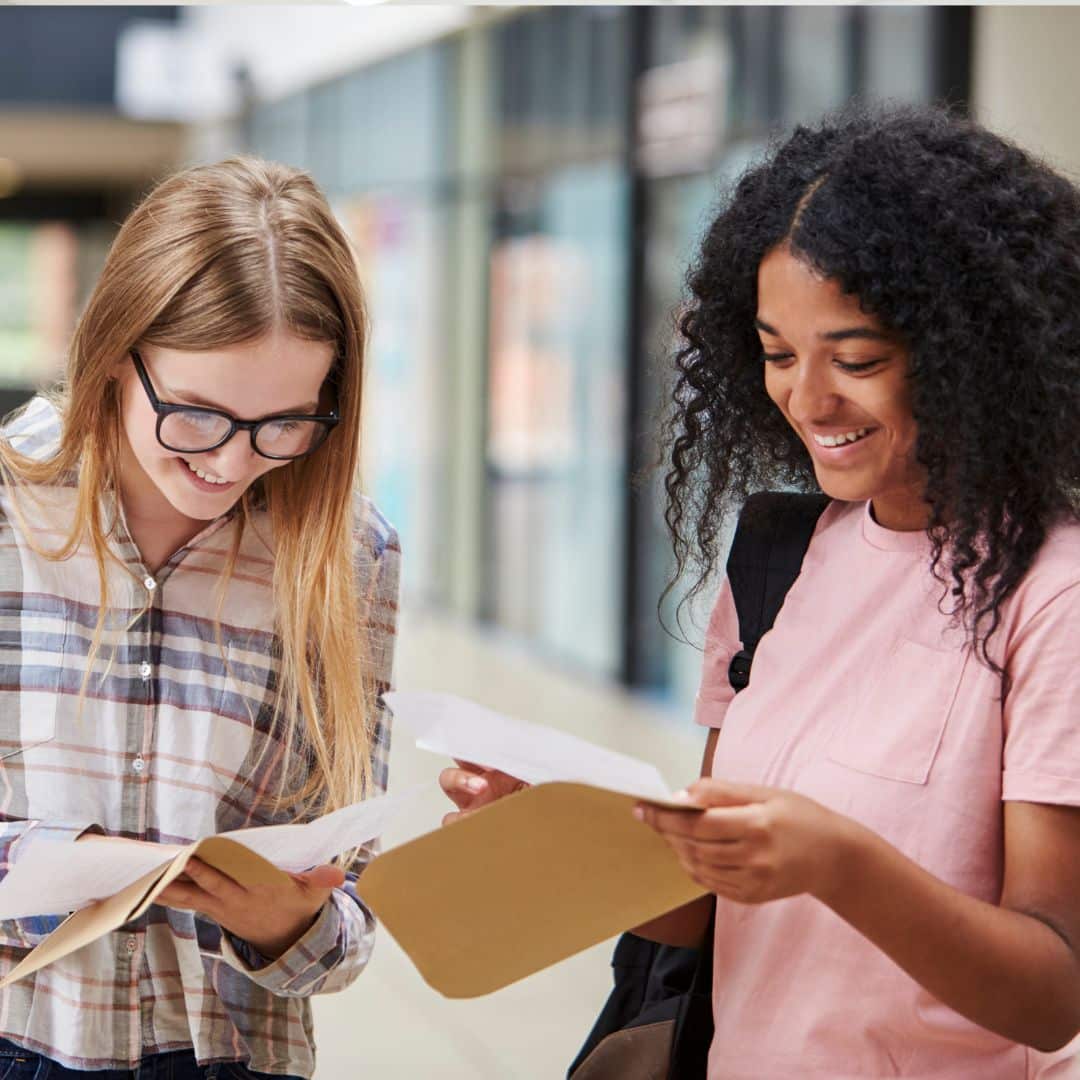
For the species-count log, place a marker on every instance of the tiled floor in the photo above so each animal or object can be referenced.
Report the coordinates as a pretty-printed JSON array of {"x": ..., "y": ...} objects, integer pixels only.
[{"x": 389, "y": 1023}]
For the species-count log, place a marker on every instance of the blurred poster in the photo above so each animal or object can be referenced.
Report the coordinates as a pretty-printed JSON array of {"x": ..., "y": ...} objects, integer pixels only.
[
  {"x": 557, "y": 414},
  {"x": 396, "y": 242},
  {"x": 538, "y": 284},
  {"x": 38, "y": 276}
]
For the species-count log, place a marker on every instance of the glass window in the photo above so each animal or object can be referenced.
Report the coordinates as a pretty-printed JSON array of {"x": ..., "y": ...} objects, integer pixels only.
[
  {"x": 899, "y": 57},
  {"x": 324, "y": 123},
  {"x": 817, "y": 61},
  {"x": 395, "y": 121},
  {"x": 399, "y": 239},
  {"x": 38, "y": 292},
  {"x": 556, "y": 415},
  {"x": 279, "y": 131},
  {"x": 759, "y": 69},
  {"x": 558, "y": 90}
]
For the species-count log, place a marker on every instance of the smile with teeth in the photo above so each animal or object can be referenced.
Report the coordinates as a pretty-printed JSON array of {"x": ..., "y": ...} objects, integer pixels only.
[
  {"x": 210, "y": 478},
  {"x": 843, "y": 439}
]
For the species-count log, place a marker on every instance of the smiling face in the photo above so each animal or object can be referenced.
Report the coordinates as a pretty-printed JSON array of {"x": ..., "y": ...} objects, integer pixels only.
[
  {"x": 840, "y": 379},
  {"x": 278, "y": 373}
]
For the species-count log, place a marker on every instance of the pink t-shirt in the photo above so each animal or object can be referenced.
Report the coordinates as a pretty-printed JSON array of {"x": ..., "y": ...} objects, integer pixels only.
[{"x": 863, "y": 699}]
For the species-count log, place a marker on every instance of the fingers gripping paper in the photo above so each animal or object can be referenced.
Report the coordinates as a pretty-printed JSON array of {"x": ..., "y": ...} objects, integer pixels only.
[
  {"x": 103, "y": 916},
  {"x": 521, "y": 885},
  {"x": 53, "y": 879}
]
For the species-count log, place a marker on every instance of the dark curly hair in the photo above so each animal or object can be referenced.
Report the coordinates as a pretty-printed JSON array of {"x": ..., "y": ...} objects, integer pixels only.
[{"x": 969, "y": 250}]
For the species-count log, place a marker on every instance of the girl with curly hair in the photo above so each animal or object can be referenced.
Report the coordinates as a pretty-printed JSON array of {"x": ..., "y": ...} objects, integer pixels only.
[{"x": 887, "y": 310}]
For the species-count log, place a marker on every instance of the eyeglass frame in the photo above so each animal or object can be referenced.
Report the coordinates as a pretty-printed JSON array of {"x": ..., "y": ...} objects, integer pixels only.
[{"x": 164, "y": 409}]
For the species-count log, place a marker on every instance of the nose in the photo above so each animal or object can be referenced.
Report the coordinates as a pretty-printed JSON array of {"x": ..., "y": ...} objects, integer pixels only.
[
  {"x": 812, "y": 393},
  {"x": 234, "y": 459}
]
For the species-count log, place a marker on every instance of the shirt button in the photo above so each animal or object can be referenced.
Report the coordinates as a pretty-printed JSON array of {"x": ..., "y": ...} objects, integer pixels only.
[
  {"x": 145, "y": 670},
  {"x": 138, "y": 765},
  {"x": 150, "y": 584},
  {"x": 131, "y": 944}
]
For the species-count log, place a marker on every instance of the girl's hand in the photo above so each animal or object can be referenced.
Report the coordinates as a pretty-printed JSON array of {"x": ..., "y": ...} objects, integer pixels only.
[
  {"x": 270, "y": 917},
  {"x": 754, "y": 844},
  {"x": 469, "y": 787}
]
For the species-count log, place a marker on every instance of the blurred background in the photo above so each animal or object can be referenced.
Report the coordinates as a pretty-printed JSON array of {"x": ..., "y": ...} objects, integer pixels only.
[{"x": 525, "y": 187}]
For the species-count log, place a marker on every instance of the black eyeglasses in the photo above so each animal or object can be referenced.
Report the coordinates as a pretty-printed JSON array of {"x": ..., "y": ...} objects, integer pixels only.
[{"x": 191, "y": 429}]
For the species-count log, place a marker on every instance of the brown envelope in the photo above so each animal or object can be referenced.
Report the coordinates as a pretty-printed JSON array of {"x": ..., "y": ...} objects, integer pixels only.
[
  {"x": 84, "y": 926},
  {"x": 522, "y": 884}
]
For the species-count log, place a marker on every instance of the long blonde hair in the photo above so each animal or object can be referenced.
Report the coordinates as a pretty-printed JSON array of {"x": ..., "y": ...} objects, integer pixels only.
[{"x": 217, "y": 255}]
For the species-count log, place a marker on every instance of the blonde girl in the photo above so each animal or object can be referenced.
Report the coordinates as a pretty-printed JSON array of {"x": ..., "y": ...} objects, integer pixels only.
[{"x": 197, "y": 615}]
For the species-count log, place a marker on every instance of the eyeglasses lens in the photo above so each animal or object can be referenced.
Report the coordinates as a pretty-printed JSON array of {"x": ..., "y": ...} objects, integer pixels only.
[
  {"x": 289, "y": 438},
  {"x": 193, "y": 430}
]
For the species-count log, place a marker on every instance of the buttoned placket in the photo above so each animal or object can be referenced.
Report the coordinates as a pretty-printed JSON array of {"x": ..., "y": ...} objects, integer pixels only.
[
  {"x": 144, "y": 644},
  {"x": 144, "y": 641}
]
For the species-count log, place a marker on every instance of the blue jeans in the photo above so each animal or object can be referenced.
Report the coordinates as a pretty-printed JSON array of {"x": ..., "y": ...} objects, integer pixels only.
[{"x": 19, "y": 1064}]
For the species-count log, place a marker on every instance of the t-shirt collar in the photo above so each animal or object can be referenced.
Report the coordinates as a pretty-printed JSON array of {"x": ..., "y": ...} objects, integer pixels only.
[{"x": 884, "y": 539}]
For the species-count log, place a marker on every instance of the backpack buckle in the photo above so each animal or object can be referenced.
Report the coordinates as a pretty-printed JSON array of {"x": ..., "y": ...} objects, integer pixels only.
[{"x": 739, "y": 670}]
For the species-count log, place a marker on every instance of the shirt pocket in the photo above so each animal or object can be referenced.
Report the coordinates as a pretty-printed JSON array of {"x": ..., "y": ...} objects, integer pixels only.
[
  {"x": 237, "y": 743},
  {"x": 32, "y": 662},
  {"x": 901, "y": 711}
]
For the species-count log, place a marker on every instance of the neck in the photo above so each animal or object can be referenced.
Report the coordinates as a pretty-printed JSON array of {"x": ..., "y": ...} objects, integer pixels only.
[
  {"x": 156, "y": 527},
  {"x": 900, "y": 511}
]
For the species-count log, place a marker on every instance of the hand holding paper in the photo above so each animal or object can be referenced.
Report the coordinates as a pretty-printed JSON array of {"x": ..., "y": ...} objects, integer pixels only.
[
  {"x": 272, "y": 916},
  {"x": 539, "y": 874},
  {"x": 113, "y": 883},
  {"x": 472, "y": 787}
]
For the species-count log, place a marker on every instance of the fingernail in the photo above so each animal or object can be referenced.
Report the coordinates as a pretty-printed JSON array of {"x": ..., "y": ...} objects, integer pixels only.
[
  {"x": 639, "y": 813},
  {"x": 476, "y": 784}
]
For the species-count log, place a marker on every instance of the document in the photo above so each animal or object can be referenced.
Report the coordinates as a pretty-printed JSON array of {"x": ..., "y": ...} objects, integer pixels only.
[
  {"x": 464, "y": 730},
  {"x": 54, "y": 879},
  {"x": 109, "y": 884},
  {"x": 58, "y": 878},
  {"x": 534, "y": 877}
]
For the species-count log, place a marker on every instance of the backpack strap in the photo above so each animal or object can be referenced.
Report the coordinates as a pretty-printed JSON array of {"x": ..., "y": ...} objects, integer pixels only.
[{"x": 766, "y": 557}]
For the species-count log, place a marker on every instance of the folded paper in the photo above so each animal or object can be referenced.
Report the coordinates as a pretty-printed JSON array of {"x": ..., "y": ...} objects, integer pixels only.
[
  {"x": 535, "y": 877},
  {"x": 112, "y": 883}
]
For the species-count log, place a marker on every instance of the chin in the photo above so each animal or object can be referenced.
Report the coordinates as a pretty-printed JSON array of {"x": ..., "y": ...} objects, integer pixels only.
[
  {"x": 191, "y": 505},
  {"x": 844, "y": 488}
]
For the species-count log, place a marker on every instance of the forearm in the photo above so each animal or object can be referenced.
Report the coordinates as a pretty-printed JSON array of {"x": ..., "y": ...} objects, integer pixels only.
[{"x": 1005, "y": 970}]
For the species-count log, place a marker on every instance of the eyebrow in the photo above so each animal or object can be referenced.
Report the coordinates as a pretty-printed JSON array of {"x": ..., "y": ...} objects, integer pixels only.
[
  {"x": 194, "y": 399},
  {"x": 851, "y": 333}
]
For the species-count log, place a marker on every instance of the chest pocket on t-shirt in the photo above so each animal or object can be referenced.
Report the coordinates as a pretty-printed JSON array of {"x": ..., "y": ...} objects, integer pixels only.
[{"x": 901, "y": 711}]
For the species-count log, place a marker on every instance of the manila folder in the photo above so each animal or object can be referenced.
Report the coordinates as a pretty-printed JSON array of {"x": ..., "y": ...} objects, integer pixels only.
[{"x": 522, "y": 884}]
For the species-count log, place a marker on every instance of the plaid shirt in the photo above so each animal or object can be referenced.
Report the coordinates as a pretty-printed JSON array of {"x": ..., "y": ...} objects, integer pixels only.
[{"x": 170, "y": 744}]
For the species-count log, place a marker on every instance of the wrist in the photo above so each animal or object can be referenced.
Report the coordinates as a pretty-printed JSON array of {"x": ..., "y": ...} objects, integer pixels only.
[
  {"x": 275, "y": 946},
  {"x": 845, "y": 858}
]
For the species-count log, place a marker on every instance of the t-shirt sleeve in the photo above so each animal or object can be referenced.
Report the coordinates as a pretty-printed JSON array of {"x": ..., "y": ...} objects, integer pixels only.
[
  {"x": 721, "y": 644},
  {"x": 1042, "y": 709}
]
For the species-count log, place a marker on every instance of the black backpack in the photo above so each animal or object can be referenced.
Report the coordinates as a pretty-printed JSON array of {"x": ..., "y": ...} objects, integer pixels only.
[{"x": 661, "y": 988}]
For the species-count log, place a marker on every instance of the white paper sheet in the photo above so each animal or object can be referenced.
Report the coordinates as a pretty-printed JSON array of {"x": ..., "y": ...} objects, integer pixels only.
[
  {"x": 57, "y": 878},
  {"x": 298, "y": 847},
  {"x": 461, "y": 729}
]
